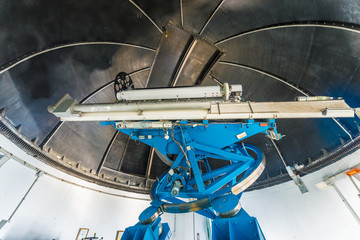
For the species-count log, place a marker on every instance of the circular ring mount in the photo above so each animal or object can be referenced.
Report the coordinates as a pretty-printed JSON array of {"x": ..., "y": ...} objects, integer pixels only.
[
  {"x": 253, "y": 174},
  {"x": 123, "y": 82}
]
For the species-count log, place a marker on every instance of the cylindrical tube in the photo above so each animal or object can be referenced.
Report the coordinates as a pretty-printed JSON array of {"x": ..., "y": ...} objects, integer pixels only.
[
  {"x": 176, "y": 188},
  {"x": 142, "y": 106}
]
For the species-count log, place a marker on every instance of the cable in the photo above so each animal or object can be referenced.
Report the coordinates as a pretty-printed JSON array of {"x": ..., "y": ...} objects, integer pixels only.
[{"x": 181, "y": 148}]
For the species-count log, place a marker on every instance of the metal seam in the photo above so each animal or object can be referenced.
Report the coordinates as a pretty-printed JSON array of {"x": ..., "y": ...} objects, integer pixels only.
[
  {"x": 211, "y": 16},
  {"x": 107, "y": 151},
  {"x": 339, "y": 26},
  {"x": 154, "y": 60},
  {"x": 183, "y": 62},
  {"x": 7, "y": 130},
  {"x": 264, "y": 73},
  {"x": 123, "y": 153},
  {"x": 25, "y": 58},
  {"x": 142, "y": 11}
]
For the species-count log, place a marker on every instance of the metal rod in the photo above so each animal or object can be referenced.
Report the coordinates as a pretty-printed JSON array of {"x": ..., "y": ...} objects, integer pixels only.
[
  {"x": 343, "y": 199},
  {"x": 340, "y": 125},
  {"x": 211, "y": 16},
  {"x": 181, "y": 13},
  {"x": 355, "y": 185},
  {"x": 149, "y": 164},
  {"x": 298, "y": 181},
  {"x": 290, "y": 25},
  {"x": 142, "y": 11},
  {"x": 279, "y": 152},
  {"x": 4, "y": 69},
  {"x": 39, "y": 173}
]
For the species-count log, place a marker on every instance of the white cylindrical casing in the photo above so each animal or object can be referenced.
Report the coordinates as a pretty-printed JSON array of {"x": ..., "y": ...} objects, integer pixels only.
[
  {"x": 176, "y": 93},
  {"x": 142, "y": 106}
]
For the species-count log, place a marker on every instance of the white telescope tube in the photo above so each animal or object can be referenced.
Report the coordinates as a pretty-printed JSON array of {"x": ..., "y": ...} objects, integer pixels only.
[
  {"x": 179, "y": 93},
  {"x": 142, "y": 106}
]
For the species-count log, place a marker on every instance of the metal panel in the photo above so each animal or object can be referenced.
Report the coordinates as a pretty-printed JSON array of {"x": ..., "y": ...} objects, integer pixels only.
[
  {"x": 88, "y": 141},
  {"x": 196, "y": 13},
  {"x": 158, "y": 168},
  {"x": 200, "y": 56},
  {"x": 79, "y": 71},
  {"x": 116, "y": 152},
  {"x": 169, "y": 10},
  {"x": 172, "y": 46},
  {"x": 68, "y": 21},
  {"x": 135, "y": 159},
  {"x": 239, "y": 16}
]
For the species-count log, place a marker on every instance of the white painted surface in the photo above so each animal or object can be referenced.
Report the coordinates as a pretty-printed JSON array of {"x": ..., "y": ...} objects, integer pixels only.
[
  {"x": 14, "y": 182},
  {"x": 284, "y": 213},
  {"x": 186, "y": 226},
  {"x": 56, "y": 210}
]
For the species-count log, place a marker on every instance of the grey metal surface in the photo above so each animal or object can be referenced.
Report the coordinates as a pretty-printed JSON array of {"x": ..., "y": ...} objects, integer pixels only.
[
  {"x": 135, "y": 160},
  {"x": 312, "y": 46},
  {"x": 238, "y": 16},
  {"x": 116, "y": 152},
  {"x": 200, "y": 56},
  {"x": 172, "y": 46},
  {"x": 197, "y": 13},
  {"x": 33, "y": 25}
]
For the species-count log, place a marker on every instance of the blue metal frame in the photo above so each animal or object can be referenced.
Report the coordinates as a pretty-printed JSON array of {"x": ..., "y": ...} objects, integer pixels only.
[
  {"x": 193, "y": 143},
  {"x": 241, "y": 226},
  {"x": 148, "y": 232}
]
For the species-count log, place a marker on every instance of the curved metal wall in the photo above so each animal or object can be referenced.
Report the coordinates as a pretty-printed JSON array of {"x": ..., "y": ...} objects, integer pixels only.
[{"x": 276, "y": 49}]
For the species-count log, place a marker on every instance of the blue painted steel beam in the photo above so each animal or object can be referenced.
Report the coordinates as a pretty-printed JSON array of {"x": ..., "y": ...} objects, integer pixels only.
[
  {"x": 217, "y": 172},
  {"x": 224, "y": 154},
  {"x": 195, "y": 167},
  {"x": 226, "y": 178},
  {"x": 195, "y": 144}
]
